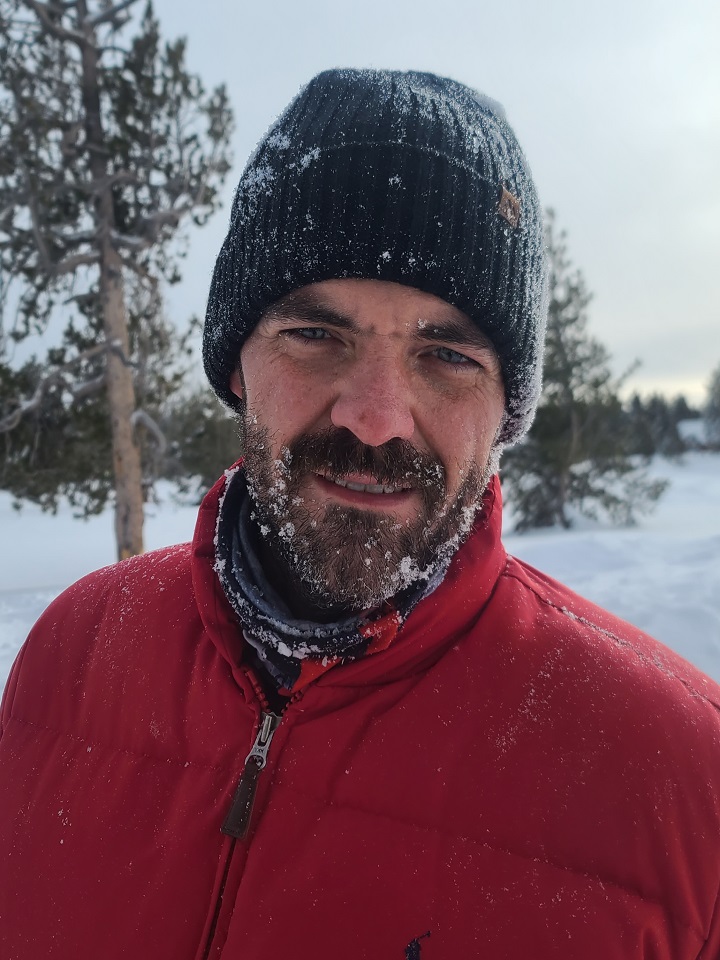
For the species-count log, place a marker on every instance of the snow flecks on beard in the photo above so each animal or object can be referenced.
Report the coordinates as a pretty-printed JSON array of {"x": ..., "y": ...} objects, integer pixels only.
[{"x": 347, "y": 558}]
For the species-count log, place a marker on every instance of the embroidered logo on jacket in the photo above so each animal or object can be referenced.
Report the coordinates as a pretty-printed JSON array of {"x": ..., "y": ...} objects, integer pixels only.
[{"x": 412, "y": 950}]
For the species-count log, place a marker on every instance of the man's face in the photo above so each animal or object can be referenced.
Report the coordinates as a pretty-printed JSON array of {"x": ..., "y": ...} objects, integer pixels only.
[{"x": 371, "y": 412}]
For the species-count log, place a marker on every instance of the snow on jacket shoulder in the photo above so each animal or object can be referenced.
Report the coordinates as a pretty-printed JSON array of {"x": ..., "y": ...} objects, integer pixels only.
[{"x": 519, "y": 775}]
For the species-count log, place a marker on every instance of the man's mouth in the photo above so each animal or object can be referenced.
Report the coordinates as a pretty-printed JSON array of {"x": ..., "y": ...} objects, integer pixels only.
[{"x": 366, "y": 486}]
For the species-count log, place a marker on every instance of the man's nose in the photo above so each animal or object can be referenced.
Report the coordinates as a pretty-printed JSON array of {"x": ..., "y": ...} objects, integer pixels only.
[{"x": 375, "y": 403}]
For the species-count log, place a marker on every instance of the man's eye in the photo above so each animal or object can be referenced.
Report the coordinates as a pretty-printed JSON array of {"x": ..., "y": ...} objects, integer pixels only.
[
  {"x": 308, "y": 333},
  {"x": 452, "y": 356}
]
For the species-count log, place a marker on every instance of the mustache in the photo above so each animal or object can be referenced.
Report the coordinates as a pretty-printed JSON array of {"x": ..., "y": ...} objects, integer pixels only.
[{"x": 338, "y": 452}]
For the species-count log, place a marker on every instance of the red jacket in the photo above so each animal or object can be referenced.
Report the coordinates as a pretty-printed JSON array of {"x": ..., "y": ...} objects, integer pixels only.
[{"x": 519, "y": 774}]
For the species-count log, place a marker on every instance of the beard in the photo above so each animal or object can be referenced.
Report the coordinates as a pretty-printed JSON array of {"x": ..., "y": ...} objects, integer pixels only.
[{"x": 336, "y": 558}]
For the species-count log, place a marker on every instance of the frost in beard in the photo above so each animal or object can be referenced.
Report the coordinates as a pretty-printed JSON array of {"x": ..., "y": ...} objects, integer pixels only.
[
  {"x": 340, "y": 557},
  {"x": 338, "y": 568},
  {"x": 456, "y": 519},
  {"x": 274, "y": 493}
]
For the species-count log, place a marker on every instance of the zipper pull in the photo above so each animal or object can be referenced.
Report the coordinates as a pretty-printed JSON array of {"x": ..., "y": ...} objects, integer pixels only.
[{"x": 237, "y": 820}]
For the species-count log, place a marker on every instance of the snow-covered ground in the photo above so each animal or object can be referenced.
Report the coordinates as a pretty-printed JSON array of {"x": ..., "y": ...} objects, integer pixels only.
[{"x": 663, "y": 575}]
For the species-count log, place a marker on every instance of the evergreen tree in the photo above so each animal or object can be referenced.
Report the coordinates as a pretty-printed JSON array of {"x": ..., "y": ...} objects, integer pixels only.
[
  {"x": 681, "y": 409},
  {"x": 576, "y": 455},
  {"x": 712, "y": 410},
  {"x": 640, "y": 427},
  {"x": 107, "y": 146},
  {"x": 202, "y": 441},
  {"x": 61, "y": 447},
  {"x": 653, "y": 425}
]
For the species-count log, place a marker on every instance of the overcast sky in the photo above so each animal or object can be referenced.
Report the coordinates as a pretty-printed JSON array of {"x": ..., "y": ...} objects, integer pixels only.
[{"x": 617, "y": 106}]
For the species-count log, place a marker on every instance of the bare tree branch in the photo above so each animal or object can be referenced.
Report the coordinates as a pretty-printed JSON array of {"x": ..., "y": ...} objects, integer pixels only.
[
  {"x": 89, "y": 387},
  {"x": 120, "y": 176},
  {"x": 136, "y": 244},
  {"x": 140, "y": 269},
  {"x": 35, "y": 223},
  {"x": 141, "y": 417},
  {"x": 69, "y": 264},
  {"x": 149, "y": 227},
  {"x": 97, "y": 186},
  {"x": 58, "y": 377},
  {"x": 110, "y": 14},
  {"x": 72, "y": 239},
  {"x": 41, "y": 10}
]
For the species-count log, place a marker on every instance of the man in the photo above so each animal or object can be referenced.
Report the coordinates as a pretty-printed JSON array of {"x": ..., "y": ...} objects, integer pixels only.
[{"x": 343, "y": 722}]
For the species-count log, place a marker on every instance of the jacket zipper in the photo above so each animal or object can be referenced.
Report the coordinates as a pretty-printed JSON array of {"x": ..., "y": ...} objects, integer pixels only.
[{"x": 237, "y": 821}]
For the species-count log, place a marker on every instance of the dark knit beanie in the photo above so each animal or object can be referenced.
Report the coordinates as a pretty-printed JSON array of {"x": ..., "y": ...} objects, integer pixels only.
[{"x": 407, "y": 177}]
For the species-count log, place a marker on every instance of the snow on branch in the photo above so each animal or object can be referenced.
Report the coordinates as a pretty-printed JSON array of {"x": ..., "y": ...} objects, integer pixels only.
[
  {"x": 70, "y": 264},
  {"x": 110, "y": 14},
  {"x": 51, "y": 267},
  {"x": 72, "y": 239},
  {"x": 136, "y": 244},
  {"x": 142, "y": 418},
  {"x": 59, "y": 378},
  {"x": 43, "y": 13}
]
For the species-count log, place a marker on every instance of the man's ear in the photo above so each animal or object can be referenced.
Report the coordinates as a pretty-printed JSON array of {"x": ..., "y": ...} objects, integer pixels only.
[{"x": 236, "y": 384}]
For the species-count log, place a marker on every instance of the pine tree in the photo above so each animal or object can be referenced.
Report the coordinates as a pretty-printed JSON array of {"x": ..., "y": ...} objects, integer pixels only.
[
  {"x": 653, "y": 425},
  {"x": 640, "y": 427},
  {"x": 107, "y": 147},
  {"x": 202, "y": 441},
  {"x": 577, "y": 454},
  {"x": 712, "y": 410}
]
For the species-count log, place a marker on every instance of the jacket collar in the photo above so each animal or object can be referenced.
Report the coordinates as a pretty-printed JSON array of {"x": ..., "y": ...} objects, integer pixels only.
[{"x": 431, "y": 628}]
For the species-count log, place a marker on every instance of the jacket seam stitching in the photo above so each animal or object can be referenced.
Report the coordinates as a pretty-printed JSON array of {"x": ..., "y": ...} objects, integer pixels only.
[
  {"x": 609, "y": 635},
  {"x": 716, "y": 908},
  {"x": 511, "y": 853},
  {"x": 56, "y": 731}
]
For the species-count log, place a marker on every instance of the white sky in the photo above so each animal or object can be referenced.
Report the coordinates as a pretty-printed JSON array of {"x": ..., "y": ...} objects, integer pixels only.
[{"x": 616, "y": 104}]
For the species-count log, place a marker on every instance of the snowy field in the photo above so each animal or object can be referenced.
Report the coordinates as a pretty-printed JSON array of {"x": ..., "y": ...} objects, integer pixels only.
[{"x": 662, "y": 576}]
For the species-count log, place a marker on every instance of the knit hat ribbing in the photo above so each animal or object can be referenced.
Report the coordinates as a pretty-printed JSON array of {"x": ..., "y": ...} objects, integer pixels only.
[{"x": 405, "y": 177}]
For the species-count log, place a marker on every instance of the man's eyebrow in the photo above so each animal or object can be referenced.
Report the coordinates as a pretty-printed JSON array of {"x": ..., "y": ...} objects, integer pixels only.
[
  {"x": 307, "y": 309},
  {"x": 455, "y": 332}
]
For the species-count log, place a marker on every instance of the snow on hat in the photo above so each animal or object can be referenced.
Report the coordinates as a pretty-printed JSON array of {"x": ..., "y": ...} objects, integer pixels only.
[{"x": 407, "y": 177}]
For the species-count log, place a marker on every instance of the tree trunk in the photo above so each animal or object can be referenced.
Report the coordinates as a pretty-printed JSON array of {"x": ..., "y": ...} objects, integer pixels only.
[
  {"x": 120, "y": 388},
  {"x": 127, "y": 468}
]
